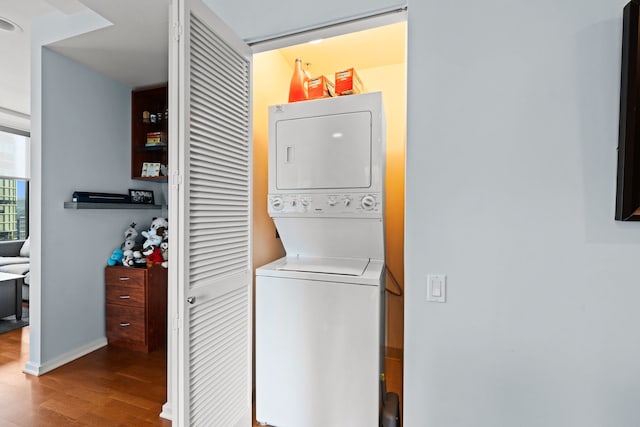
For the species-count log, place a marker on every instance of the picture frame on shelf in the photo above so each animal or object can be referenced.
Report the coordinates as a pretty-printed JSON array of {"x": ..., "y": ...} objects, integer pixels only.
[
  {"x": 150, "y": 169},
  {"x": 143, "y": 197}
]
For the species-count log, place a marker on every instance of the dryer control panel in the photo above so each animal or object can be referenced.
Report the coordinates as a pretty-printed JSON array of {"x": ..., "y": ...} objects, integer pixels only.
[{"x": 332, "y": 204}]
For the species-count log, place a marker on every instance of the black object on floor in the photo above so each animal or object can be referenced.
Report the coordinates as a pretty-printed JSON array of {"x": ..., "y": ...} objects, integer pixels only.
[
  {"x": 389, "y": 406},
  {"x": 390, "y": 416},
  {"x": 10, "y": 323}
]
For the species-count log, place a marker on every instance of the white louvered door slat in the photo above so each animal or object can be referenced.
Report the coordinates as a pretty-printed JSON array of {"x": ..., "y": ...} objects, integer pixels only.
[{"x": 216, "y": 290}]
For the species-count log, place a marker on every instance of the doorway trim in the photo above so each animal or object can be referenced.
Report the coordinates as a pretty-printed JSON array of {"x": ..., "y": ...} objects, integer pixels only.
[{"x": 332, "y": 30}]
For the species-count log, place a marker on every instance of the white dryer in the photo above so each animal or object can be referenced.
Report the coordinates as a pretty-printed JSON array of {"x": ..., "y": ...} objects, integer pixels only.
[{"x": 320, "y": 310}]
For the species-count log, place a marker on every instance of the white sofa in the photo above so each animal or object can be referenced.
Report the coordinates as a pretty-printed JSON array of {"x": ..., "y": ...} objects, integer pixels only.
[{"x": 14, "y": 258}]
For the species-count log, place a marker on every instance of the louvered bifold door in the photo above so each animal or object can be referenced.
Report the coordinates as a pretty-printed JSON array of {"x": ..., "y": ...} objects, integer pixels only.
[{"x": 215, "y": 196}]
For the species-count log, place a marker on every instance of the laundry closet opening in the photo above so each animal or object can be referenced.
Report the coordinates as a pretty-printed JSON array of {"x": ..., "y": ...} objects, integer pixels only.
[{"x": 379, "y": 57}]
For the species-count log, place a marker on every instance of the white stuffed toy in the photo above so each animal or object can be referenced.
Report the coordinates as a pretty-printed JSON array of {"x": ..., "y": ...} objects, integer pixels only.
[
  {"x": 127, "y": 258},
  {"x": 158, "y": 223},
  {"x": 156, "y": 233},
  {"x": 164, "y": 247},
  {"x": 152, "y": 240},
  {"x": 130, "y": 235}
]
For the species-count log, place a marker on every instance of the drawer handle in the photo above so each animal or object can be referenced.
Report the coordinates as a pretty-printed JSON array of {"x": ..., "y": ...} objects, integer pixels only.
[
  {"x": 124, "y": 297},
  {"x": 124, "y": 278},
  {"x": 125, "y": 324}
]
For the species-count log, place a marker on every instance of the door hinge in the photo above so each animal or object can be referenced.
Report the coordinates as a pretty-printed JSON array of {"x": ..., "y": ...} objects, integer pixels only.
[
  {"x": 176, "y": 179},
  {"x": 177, "y": 31}
]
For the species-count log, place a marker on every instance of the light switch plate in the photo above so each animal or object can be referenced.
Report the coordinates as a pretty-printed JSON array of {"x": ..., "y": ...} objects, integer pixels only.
[{"x": 437, "y": 288}]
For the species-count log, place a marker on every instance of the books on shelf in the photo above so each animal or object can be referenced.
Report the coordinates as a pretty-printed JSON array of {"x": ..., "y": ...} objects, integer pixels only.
[{"x": 156, "y": 139}]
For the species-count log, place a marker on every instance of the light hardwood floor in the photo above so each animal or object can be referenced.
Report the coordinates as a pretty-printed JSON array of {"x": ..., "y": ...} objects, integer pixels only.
[{"x": 109, "y": 387}]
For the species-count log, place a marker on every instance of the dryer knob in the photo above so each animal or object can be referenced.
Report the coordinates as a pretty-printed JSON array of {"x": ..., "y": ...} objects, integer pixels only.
[
  {"x": 331, "y": 201},
  {"x": 277, "y": 203},
  {"x": 368, "y": 202},
  {"x": 346, "y": 202}
]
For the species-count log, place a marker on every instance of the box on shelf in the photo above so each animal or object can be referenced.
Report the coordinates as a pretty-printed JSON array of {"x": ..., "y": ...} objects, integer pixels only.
[
  {"x": 156, "y": 138},
  {"x": 321, "y": 87},
  {"x": 348, "y": 82}
]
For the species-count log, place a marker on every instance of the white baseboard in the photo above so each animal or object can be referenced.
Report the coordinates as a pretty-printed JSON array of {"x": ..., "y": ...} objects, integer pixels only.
[
  {"x": 166, "y": 412},
  {"x": 37, "y": 369}
]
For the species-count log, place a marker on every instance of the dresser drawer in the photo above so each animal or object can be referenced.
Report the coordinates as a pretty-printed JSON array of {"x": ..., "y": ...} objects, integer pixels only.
[
  {"x": 128, "y": 276},
  {"x": 125, "y": 324},
  {"x": 125, "y": 294}
]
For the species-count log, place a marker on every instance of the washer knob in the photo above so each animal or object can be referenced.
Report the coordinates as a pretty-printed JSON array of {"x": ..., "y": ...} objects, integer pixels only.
[
  {"x": 331, "y": 201},
  {"x": 368, "y": 202},
  {"x": 346, "y": 202},
  {"x": 277, "y": 203},
  {"x": 293, "y": 203}
]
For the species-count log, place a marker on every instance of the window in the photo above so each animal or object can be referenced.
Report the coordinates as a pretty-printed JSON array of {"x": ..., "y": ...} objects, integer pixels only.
[{"x": 14, "y": 184}]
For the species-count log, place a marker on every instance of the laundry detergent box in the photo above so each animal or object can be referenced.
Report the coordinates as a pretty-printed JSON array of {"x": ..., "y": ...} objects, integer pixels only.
[
  {"x": 321, "y": 87},
  {"x": 348, "y": 82}
]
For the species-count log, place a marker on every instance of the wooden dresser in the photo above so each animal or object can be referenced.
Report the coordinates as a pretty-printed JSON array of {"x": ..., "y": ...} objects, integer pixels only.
[{"x": 136, "y": 307}]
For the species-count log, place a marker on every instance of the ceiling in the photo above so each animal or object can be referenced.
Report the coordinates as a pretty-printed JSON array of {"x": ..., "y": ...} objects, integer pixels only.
[
  {"x": 15, "y": 48},
  {"x": 371, "y": 48},
  {"x": 134, "y": 49},
  {"x": 125, "y": 51}
]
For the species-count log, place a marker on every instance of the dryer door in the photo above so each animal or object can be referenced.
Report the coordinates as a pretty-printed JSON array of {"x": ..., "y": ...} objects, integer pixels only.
[{"x": 324, "y": 152}]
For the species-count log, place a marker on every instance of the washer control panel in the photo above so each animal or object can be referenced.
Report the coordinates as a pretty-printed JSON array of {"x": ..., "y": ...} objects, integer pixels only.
[{"x": 320, "y": 204}]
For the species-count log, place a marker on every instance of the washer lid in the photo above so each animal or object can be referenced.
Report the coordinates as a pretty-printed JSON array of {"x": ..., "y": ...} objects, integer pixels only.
[{"x": 344, "y": 266}]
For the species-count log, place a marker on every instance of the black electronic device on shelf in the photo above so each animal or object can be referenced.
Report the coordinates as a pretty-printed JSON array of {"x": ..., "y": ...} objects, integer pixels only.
[{"x": 92, "y": 197}]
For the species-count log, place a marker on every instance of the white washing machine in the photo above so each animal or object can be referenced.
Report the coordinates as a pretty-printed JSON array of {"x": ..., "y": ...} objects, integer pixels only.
[
  {"x": 320, "y": 310},
  {"x": 318, "y": 337}
]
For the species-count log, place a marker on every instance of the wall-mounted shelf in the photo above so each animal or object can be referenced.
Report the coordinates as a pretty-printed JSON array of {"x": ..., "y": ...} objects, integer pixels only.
[
  {"x": 84, "y": 205},
  {"x": 152, "y": 178}
]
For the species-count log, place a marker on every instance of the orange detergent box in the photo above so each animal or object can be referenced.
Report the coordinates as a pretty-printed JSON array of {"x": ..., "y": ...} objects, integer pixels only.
[
  {"x": 321, "y": 87},
  {"x": 348, "y": 82}
]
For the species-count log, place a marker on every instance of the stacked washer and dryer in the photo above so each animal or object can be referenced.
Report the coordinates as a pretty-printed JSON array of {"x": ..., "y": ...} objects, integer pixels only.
[{"x": 320, "y": 310}]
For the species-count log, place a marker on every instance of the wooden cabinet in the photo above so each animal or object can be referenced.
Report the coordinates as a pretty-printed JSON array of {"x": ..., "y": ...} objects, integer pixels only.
[
  {"x": 136, "y": 307},
  {"x": 149, "y": 141}
]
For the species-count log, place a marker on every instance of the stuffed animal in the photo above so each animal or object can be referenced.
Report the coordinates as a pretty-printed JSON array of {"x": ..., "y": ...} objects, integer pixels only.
[
  {"x": 156, "y": 233},
  {"x": 158, "y": 222},
  {"x": 130, "y": 235},
  {"x": 155, "y": 237},
  {"x": 152, "y": 239},
  {"x": 147, "y": 250},
  {"x": 115, "y": 258},
  {"x": 127, "y": 258},
  {"x": 155, "y": 257},
  {"x": 164, "y": 248}
]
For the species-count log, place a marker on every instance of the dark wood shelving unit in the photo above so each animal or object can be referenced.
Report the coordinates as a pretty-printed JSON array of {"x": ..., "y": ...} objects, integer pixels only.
[{"x": 154, "y": 100}]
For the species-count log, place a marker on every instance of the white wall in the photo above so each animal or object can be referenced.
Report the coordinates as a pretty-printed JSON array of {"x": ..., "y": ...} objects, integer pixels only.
[
  {"x": 44, "y": 30},
  {"x": 511, "y": 156},
  {"x": 86, "y": 133},
  {"x": 511, "y": 166}
]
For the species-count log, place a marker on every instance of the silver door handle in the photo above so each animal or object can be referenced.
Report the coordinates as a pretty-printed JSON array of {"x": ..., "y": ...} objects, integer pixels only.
[
  {"x": 191, "y": 300},
  {"x": 125, "y": 324},
  {"x": 124, "y": 297}
]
